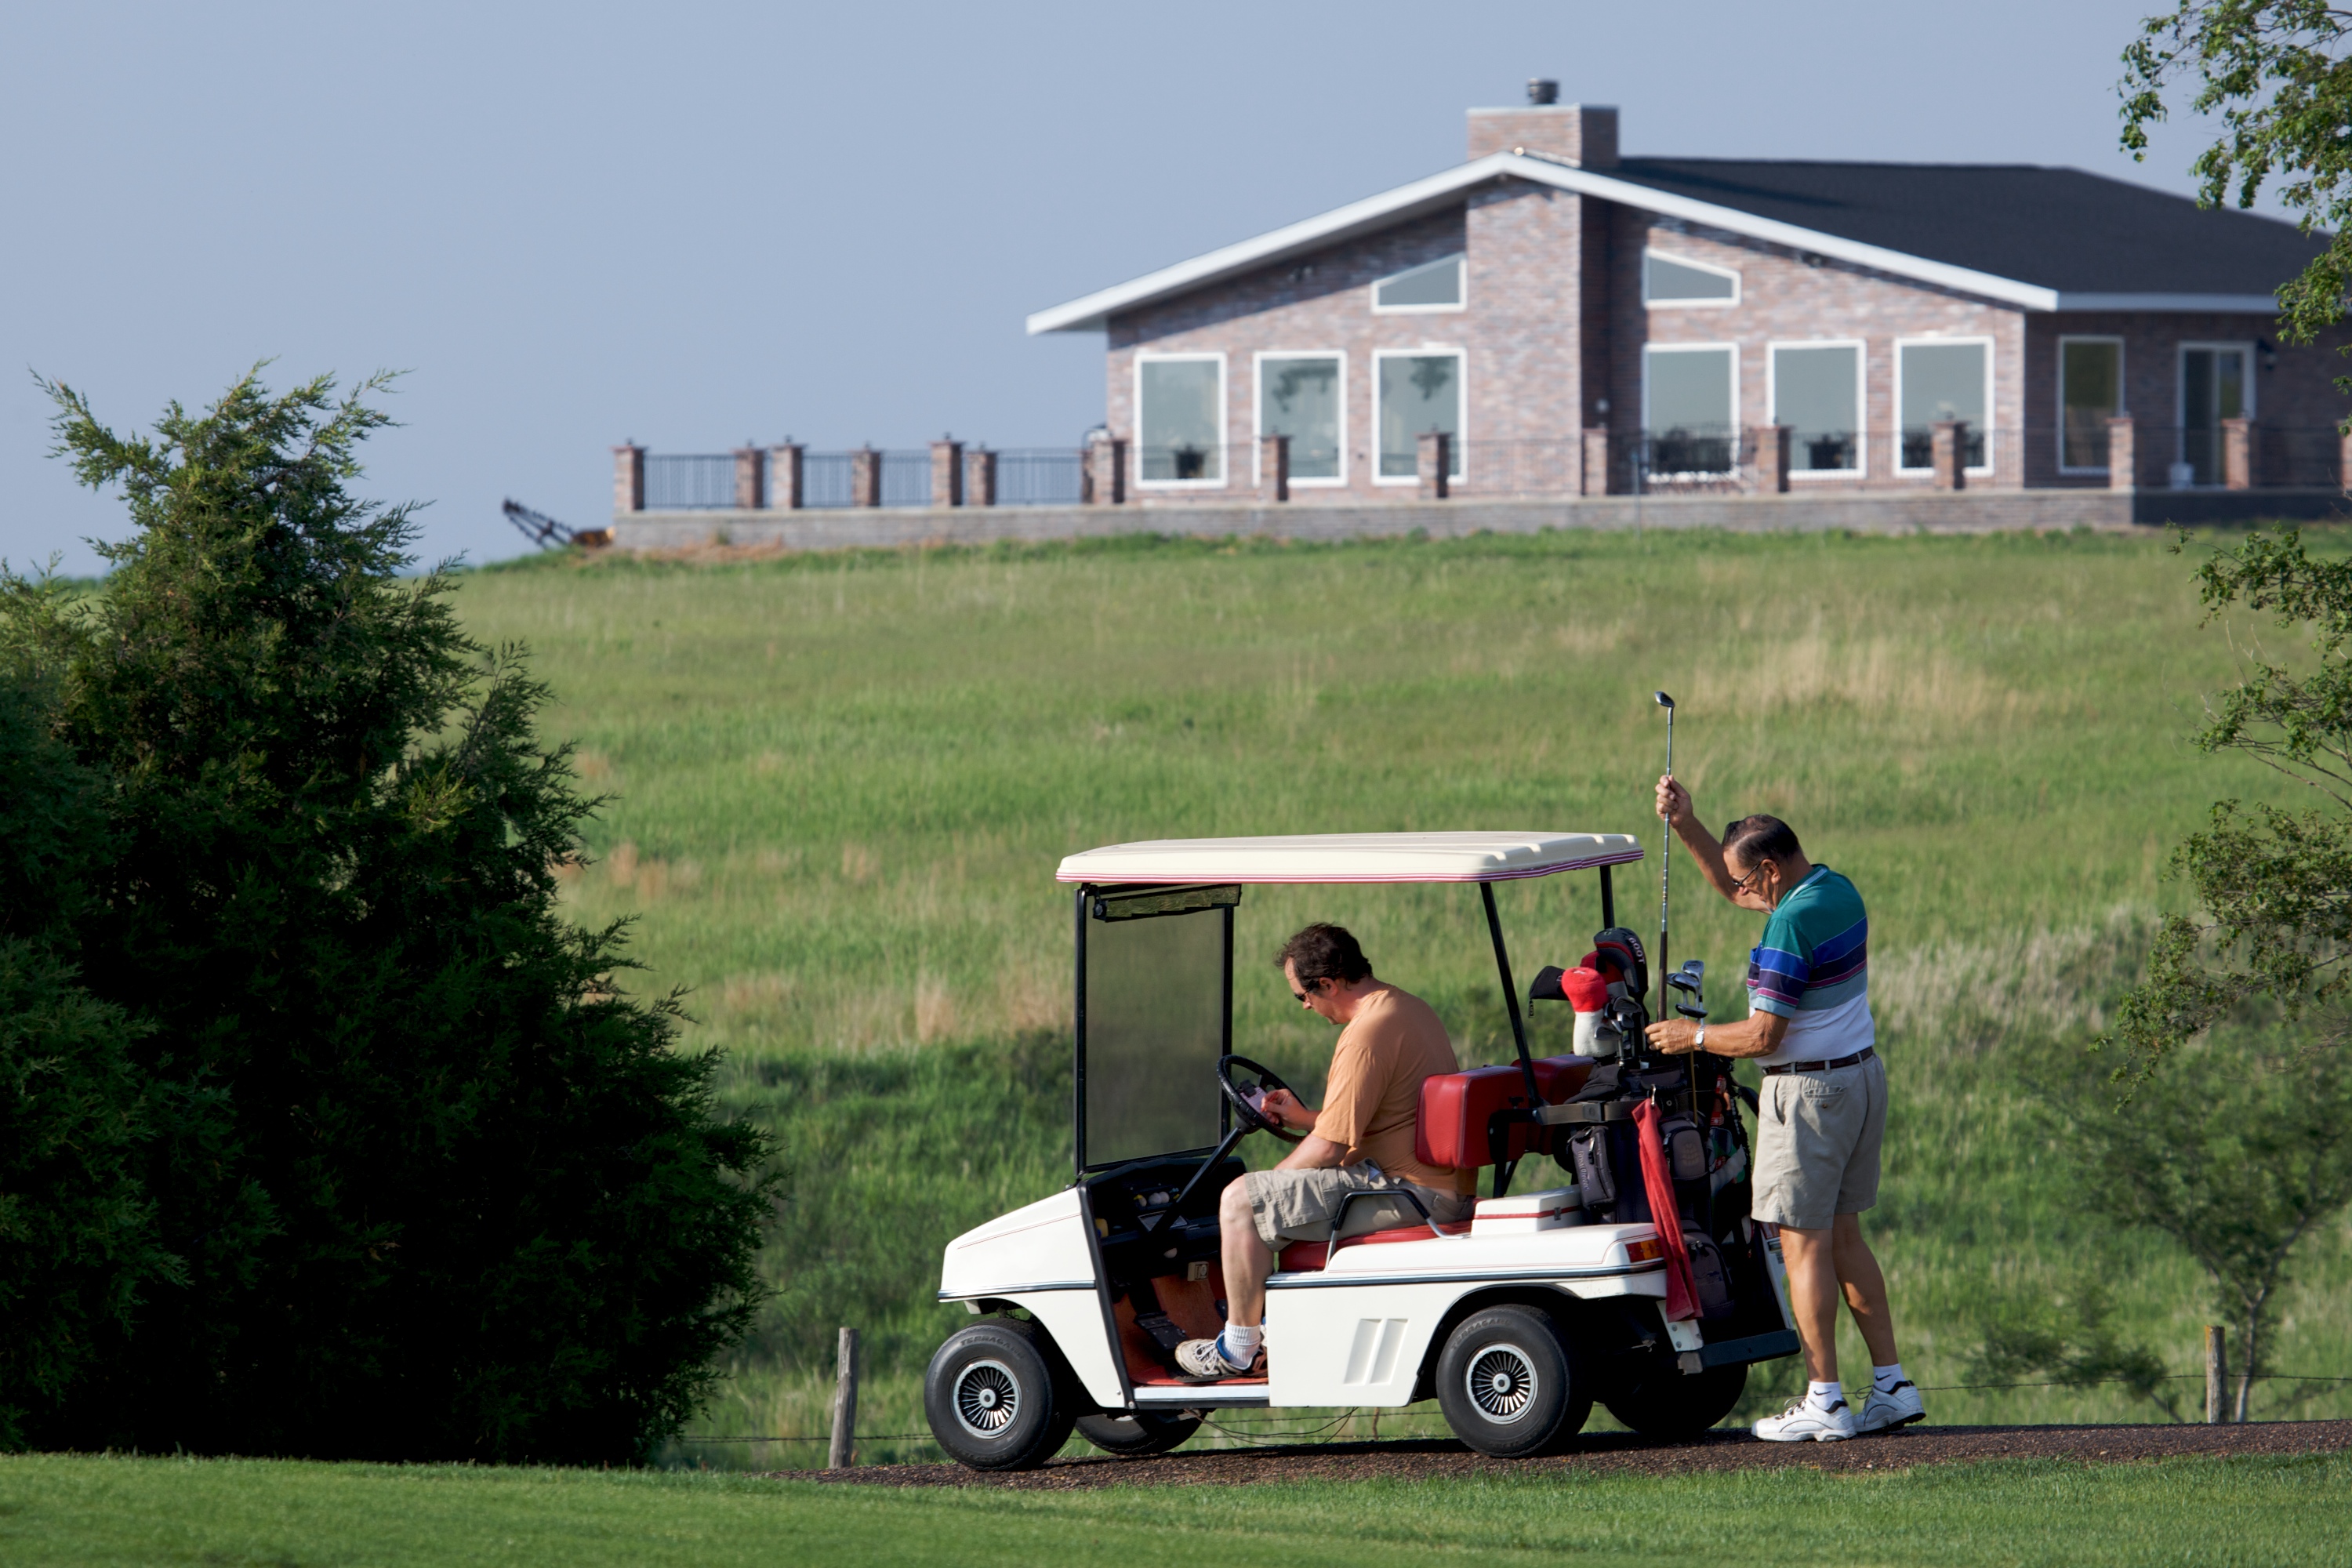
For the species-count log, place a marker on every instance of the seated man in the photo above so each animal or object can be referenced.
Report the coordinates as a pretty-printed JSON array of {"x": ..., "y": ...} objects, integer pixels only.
[{"x": 1360, "y": 1141}]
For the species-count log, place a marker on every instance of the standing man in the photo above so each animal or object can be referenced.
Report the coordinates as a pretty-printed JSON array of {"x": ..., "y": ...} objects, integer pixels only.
[
  {"x": 1360, "y": 1141},
  {"x": 1824, "y": 1109}
]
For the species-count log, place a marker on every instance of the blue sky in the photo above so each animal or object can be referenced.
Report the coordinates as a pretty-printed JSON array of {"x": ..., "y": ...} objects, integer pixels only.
[{"x": 696, "y": 224}]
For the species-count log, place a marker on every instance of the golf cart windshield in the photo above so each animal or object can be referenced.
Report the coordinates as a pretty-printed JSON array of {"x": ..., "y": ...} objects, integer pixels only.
[{"x": 1156, "y": 976}]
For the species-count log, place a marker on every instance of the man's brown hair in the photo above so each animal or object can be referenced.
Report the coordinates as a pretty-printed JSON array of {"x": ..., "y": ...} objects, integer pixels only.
[
  {"x": 1761, "y": 837},
  {"x": 1324, "y": 952}
]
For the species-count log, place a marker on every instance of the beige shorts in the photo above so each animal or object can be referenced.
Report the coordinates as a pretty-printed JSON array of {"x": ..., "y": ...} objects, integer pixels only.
[
  {"x": 1817, "y": 1140},
  {"x": 1299, "y": 1205}
]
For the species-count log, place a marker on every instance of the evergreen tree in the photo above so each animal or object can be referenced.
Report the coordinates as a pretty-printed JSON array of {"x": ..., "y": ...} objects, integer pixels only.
[
  {"x": 76, "y": 1234},
  {"x": 439, "y": 1187}
]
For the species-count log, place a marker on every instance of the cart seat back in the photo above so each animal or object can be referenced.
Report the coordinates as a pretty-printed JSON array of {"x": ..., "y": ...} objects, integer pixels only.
[{"x": 1454, "y": 1108}]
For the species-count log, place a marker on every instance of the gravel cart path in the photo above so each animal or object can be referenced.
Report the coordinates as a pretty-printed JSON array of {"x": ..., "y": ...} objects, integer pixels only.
[{"x": 1618, "y": 1453}]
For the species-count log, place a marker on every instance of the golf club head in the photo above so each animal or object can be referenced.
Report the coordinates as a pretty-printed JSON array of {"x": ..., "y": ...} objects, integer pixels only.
[
  {"x": 1697, "y": 1015},
  {"x": 1664, "y": 700}
]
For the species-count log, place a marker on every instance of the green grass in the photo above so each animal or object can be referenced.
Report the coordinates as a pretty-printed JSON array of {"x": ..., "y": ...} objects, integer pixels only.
[
  {"x": 95, "y": 1511},
  {"x": 841, "y": 783}
]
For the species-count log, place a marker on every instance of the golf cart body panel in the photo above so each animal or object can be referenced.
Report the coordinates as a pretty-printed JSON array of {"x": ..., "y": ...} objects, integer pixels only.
[
  {"x": 1127, "y": 1261},
  {"x": 1350, "y": 857}
]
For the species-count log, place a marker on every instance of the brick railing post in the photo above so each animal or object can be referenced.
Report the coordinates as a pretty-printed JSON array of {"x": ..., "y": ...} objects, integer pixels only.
[
  {"x": 784, "y": 492},
  {"x": 1434, "y": 461},
  {"x": 980, "y": 476},
  {"x": 866, "y": 477},
  {"x": 629, "y": 477},
  {"x": 1771, "y": 458},
  {"x": 947, "y": 473},
  {"x": 1595, "y": 479},
  {"x": 1950, "y": 461},
  {"x": 2344, "y": 461},
  {"x": 2237, "y": 454},
  {"x": 751, "y": 480},
  {"x": 1274, "y": 466},
  {"x": 1106, "y": 470},
  {"x": 2123, "y": 453}
]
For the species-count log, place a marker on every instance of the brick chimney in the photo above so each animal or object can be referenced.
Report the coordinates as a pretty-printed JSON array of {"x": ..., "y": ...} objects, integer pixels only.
[{"x": 1584, "y": 133}]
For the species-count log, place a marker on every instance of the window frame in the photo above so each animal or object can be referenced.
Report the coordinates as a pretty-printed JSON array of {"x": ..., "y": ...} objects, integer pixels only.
[
  {"x": 1738, "y": 285},
  {"x": 2122, "y": 406},
  {"x": 1461, "y": 355},
  {"x": 2244, "y": 346},
  {"x": 1257, "y": 413},
  {"x": 1224, "y": 417},
  {"x": 1861, "y": 348},
  {"x": 1992, "y": 384},
  {"x": 1649, "y": 431},
  {"x": 1461, "y": 259}
]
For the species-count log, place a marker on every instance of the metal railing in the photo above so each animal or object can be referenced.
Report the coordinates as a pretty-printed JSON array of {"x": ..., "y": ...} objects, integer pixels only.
[
  {"x": 689, "y": 482},
  {"x": 1043, "y": 476}
]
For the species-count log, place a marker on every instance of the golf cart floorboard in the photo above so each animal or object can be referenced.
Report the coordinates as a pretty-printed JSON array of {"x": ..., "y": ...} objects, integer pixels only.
[{"x": 1625, "y": 1453}]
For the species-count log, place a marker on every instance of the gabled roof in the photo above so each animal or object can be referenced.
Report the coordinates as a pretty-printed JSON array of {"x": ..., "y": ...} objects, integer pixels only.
[
  {"x": 2040, "y": 238},
  {"x": 1323, "y": 857}
]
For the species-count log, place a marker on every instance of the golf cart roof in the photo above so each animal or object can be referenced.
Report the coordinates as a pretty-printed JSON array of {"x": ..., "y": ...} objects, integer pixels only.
[{"x": 1310, "y": 858}]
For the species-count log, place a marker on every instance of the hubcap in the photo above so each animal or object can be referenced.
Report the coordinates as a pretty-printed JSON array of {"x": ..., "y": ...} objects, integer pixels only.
[
  {"x": 1501, "y": 1382},
  {"x": 987, "y": 1398}
]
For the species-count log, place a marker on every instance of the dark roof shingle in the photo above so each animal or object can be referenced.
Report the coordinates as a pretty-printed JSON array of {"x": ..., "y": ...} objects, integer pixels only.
[{"x": 2059, "y": 228}]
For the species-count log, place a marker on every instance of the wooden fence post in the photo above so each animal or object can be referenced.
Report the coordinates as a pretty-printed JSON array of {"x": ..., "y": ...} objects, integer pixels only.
[
  {"x": 2217, "y": 1381},
  {"x": 839, "y": 1454}
]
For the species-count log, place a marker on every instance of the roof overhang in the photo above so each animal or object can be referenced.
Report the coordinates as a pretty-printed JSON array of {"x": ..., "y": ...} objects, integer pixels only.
[
  {"x": 1093, "y": 312},
  {"x": 1328, "y": 857}
]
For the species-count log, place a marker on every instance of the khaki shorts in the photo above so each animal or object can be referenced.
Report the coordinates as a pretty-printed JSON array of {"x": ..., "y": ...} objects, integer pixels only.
[
  {"x": 1817, "y": 1140},
  {"x": 1299, "y": 1205}
]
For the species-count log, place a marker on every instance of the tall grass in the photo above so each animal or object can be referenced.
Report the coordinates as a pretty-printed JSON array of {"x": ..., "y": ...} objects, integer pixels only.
[{"x": 840, "y": 785}]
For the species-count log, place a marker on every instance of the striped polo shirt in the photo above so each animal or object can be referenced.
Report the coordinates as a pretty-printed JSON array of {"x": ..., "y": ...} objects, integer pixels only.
[{"x": 1813, "y": 969}]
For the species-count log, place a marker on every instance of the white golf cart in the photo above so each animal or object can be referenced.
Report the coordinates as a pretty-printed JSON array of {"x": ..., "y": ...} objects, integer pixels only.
[{"x": 1516, "y": 1320}]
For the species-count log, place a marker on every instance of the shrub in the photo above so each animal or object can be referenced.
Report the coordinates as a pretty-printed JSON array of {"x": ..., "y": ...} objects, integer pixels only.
[{"x": 439, "y": 1187}]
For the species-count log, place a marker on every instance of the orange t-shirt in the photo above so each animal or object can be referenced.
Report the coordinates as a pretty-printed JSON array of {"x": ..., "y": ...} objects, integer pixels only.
[{"x": 1373, "y": 1100}]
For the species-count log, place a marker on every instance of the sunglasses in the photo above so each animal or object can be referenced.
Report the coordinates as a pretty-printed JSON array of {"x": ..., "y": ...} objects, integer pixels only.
[{"x": 1314, "y": 988}]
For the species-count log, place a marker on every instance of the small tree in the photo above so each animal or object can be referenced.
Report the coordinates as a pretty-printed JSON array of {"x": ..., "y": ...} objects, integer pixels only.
[{"x": 439, "y": 1187}]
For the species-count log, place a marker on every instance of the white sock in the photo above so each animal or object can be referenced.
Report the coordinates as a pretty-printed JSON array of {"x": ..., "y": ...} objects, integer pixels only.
[
  {"x": 1823, "y": 1396},
  {"x": 1238, "y": 1344},
  {"x": 1885, "y": 1378}
]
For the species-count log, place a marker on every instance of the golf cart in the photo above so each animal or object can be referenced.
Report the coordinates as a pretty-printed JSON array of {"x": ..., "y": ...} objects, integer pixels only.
[{"x": 1516, "y": 1320}]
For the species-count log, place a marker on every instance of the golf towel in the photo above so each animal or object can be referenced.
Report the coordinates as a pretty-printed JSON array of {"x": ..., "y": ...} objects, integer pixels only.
[{"x": 1682, "y": 1294}]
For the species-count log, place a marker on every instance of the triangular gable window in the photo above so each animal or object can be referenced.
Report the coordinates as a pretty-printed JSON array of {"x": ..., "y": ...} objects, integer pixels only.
[{"x": 1435, "y": 286}]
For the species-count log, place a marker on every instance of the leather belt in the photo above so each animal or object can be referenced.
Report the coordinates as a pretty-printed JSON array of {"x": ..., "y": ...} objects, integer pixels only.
[{"x": 1856, "y": 1060}]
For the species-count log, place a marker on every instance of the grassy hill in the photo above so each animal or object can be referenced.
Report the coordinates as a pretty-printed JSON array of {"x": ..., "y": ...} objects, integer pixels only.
[{"x": 840, "y": 785}]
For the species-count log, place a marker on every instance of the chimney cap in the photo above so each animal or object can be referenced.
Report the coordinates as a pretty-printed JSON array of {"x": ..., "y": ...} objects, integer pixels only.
[{"x": 1542, "y": 89}]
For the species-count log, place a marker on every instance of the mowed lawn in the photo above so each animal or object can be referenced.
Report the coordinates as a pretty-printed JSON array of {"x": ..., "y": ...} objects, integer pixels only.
[
  {"x": 2207, "y": 1512},
  {"x": 840, "y": 785}
]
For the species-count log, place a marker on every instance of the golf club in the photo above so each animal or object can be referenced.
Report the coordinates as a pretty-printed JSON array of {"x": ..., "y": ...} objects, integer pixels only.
[{"x": 1665, "y": 857}]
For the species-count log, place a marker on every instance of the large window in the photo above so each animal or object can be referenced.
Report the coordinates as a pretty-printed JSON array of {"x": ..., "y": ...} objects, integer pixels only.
[
  {"x": 1816, "y": 391},
  {"x": 1690, "y": 407},
  {"x": 1420, "y": 390},
  {"x": 1942, "y": 378},
  {"x": 2090, "y": 393},
  {"x": 1180, "y": 419},
  {"x": 2214, "y": 386},
  {"x": 1435, "y": 286},
  {"x": 1300, "y": 396},
  {"x": 1678, "y": 280}
]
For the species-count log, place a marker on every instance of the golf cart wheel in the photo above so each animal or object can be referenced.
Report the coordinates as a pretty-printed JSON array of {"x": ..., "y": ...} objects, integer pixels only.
[
  {"x": 1133, "y": 1434},
  {"x": 1509, "y": 1386},
  {"x": 992, "y": 1399},
  {"x": 1660, "y": 1402}
]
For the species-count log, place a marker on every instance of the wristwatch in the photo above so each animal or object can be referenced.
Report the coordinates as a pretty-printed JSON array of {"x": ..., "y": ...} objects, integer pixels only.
[{"x": 1698, "y": 1041}]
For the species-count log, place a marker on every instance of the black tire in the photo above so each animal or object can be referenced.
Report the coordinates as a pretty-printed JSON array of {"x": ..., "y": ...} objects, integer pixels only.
[
  {"x": 1133, "y": 1434},
  {"x": 994, "y": 1398},
  {"x": 1658, "y": 1401},
  {"x": 1509, "y": 1386}
]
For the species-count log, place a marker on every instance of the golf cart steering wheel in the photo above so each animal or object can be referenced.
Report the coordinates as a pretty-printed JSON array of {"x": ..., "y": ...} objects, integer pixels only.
[{"x": 1250, "y": 1118}]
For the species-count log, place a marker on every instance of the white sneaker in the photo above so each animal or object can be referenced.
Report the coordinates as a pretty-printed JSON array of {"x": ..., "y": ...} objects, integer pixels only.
[
  {"x": 1804, "y": 1421},
  {"x": 1897, "y": 1406}
]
